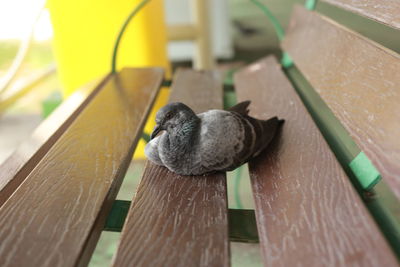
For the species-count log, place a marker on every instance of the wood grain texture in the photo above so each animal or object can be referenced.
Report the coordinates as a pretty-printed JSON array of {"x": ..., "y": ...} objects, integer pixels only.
[
  {"x": 179, "y": 220},
  {"x": 307, "y": 211},
  {"x": 383, "y": 11},
  {"x": 358, "y": 79},
  {"x": 55, "y": 217},
  {"x": 15, "y": 168}
]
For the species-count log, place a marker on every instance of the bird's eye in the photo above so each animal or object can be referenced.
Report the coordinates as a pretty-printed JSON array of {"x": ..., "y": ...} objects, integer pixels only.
[{"x": 168, "y": 115}]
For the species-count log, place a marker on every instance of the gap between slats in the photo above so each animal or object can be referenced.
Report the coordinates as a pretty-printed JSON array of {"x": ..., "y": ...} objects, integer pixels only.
[{"x": 248, "y": 251}]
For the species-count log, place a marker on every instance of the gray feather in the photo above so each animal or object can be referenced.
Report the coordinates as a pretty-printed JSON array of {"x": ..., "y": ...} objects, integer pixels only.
[
  {"x": 151, "y": 151},
  {"x": 215, "y": 140}
]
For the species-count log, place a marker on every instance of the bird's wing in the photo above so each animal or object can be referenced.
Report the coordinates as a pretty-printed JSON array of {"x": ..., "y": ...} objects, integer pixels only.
[{"x": 221, "y": 140}]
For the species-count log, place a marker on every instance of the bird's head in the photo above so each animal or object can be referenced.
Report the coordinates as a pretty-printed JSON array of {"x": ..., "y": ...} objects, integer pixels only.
[{"x": 172, "y": 115}]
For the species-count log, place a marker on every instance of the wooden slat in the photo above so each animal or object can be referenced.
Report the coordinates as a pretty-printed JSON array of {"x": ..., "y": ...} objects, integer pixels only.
[
  {"x": 308, "y": 213},
  {"x": 55, "y": 217},
  {"x": 15, "y": 168},
  {"x": 383, "y": 11},
  {"x": 179, "y": 220},
  {"x": 358, "y": 79}
]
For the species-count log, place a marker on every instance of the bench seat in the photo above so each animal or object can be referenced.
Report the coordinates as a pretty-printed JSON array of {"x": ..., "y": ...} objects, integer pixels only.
[
  {"x": 183, "y": 220},
  {"x": 311, "y": 207},
  {"x": 55, "y": 217}
]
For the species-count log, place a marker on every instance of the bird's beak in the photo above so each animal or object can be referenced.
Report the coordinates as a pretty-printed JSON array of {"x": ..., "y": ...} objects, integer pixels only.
[{"x": 156, "y": 130}]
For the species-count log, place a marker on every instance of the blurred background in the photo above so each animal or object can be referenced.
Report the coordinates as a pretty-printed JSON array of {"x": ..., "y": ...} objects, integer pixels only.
[{"x": 50, "y": 49}]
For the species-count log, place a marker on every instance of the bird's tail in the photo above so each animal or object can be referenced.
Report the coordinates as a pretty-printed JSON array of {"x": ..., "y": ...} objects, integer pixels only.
[{"x": 267, "y": 130}]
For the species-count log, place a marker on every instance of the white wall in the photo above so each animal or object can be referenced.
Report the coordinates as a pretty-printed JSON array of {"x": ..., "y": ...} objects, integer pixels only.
[{"x": 178, "y": 11}]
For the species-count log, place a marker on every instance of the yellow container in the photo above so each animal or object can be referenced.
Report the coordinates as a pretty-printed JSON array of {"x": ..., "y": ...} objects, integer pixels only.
[{"x": 84, "y": 36}]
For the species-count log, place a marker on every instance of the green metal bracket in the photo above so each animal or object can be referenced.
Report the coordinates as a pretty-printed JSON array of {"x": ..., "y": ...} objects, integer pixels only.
[
  {"x": 242, "y": 226},
  {"x": 365, "y": 171},
  {"x": 229, "y": 99},
  {"x": 117, "y": 216},
  {"x": 242, "y": 223},
  {"x": 229, "y": 95},
  {"x": 228, "y": 79},
  {"x": 379, "y": 199},
  {"x": 146, "y": 137},
  {"x": 166, "y": 83},
  {"x": 286, "y": 60},
  {"x": 310, "y": 4}
]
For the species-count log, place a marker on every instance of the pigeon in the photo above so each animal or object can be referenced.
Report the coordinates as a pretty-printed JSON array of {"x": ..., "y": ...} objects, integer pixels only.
[{"x": 216, "y": 140}]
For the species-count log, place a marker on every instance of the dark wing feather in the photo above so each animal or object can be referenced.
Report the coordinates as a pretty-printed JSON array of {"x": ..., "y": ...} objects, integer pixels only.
[
  {"x": 242, "y": 108},
  {"x": 265, "y": 132}
]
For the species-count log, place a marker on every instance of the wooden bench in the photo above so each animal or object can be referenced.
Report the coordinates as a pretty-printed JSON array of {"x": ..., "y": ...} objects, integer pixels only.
[{"x": 58, "y": 188}]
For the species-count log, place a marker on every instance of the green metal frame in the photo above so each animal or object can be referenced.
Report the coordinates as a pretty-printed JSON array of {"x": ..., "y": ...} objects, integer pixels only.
[
  {"x": 242, "y": 223},
  {"x": 117, "y": 216},
  {"x": 310, "y": 4},
  {"x": 376, "y": 194},
  {"x": 242, "y": 226}
]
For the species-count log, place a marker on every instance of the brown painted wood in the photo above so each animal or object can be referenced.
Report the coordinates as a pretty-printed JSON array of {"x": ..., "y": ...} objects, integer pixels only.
[
  {"x": 15, "y": 168},
  {"x": 179, "y": 220},
  {"x": 307, "y": 211},
  {"x": 358, "y": 79},
  {"x": 56, "y": 216},
  {"x": 383, "y": 11}
]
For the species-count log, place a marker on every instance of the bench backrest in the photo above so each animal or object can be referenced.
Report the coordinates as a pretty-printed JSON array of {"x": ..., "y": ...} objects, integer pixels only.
[
  {"x": 352, "y": 89},
  {"x": 358, "y": 79},
  {"x": 386, "y": 12},
  {"x": 306, "y": 207}
]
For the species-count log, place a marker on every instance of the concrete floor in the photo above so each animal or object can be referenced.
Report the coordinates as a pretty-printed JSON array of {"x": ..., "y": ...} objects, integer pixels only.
[
  {"x": 14, "y": 129},
  {"x": 21, "y": 119}
]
